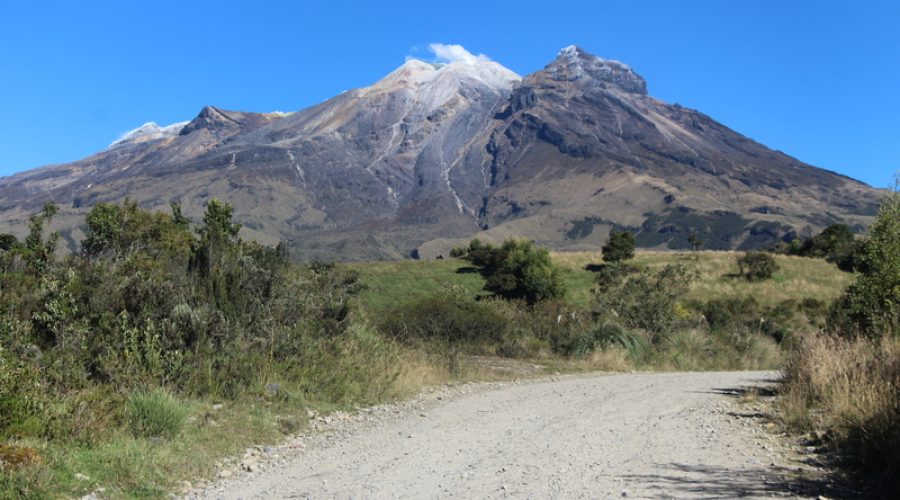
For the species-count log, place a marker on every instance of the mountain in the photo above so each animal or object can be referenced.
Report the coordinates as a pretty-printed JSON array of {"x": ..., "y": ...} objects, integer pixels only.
[{"x": 434, "y": 154}]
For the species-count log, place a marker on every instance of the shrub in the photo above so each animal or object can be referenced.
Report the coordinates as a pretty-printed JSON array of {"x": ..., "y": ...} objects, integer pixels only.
[
  {"x": 745, "y": 314},
  {"x": 447, "y": 319},
  {"x": 38, "y": 250},
  {"x": 148, "y": 303},
  {"x": 871, "y": 305},
  {"x": 850, "y": 257},
  {"x": 517, "y": 270},
  {"x": 756, "y": 266},
  {"x": 836, "y": 243},
  {"x": 726, "y": 313},
  {"x": 458, "y": 252},
  {"x": 646, "y": 299},
  {"x": 8, "y": 242},
  {"x": 22, "y": 395},
  {"x": 550, "y": 324},
  {"x": 609, "y": 334},
  {"x": 155, "y": 413},
  {"x": 619, "y": 247},
  {"x": 113, "y": 230},
  {"x": 832, "y": 241}
]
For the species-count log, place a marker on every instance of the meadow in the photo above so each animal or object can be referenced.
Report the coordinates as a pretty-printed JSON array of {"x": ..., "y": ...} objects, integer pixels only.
[{"x": 395, "y": 282}]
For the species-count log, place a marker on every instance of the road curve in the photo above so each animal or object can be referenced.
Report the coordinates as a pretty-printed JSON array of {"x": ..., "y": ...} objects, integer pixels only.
[{"x": 648, "y": 435}]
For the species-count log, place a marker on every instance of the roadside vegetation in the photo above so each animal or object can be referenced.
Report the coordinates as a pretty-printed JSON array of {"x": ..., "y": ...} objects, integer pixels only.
[
  {"x": 166, "y": 345},
  {"x": 843, "y": 385},
  {"x": 643, "y": 310},
  {"x": 162, "y": 346}
]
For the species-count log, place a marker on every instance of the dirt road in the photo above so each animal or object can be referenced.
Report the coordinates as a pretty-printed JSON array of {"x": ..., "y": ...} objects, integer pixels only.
[{"x": 670, "y": 435}]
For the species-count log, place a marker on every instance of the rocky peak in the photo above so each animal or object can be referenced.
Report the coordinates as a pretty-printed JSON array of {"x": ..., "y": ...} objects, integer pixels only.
[
  {"x": 417, "y": 75},
  {"x": 409, "y": 75},
  {"x": 573, "y": 64},
  {"x": 212, "y": 119}
]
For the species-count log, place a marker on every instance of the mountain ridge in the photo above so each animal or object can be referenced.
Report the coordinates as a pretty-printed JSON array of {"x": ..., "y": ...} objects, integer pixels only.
[{"x": 431, "y": 155}]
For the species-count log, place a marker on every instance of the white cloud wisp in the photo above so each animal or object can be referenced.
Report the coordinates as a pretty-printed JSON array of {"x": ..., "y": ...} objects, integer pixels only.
[{"x": 444, "y": 53}]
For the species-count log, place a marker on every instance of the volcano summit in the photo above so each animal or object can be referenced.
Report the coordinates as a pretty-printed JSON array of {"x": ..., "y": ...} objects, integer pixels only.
[{"x": 435, "y": 154}]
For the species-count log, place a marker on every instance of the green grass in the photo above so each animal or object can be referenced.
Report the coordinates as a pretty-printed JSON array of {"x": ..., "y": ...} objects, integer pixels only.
[
  {"x": 155, "y": 413},
  {"x": 126, "y": 466},
  {"x": 392, "y": 283},
  {"x": 399, "y": 282},
  {"x": 162, "y": 440},
  {"x": 797, "y": 278}
]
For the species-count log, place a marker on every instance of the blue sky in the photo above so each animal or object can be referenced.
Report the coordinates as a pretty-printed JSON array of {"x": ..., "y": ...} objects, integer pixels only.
[{"x": 819, "y": 80}]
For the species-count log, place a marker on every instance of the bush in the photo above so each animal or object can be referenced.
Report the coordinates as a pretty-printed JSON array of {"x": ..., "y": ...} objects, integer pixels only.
[
  {"x": 850, "y": 257},
  {"x": 836, "y": 243},
  {"x": 756, "y": 266},
  {"x": 832, "y": 241},
  {"x": 37, "y": 250},
  {"x": 619, "y": 247},
  {"x": 517, "y": 270},
  {"x": 155, "y": 413},
  {"x": 871, "y": 305},
  {"x": 447, "y": 319},
  {"x": 147, "y": 303},
  {"x": 646, "y": 299},
  {"x": 727, "y": 313},
  {"x": 458, "y": 252},
  {"x": 22, "y": 396},
  {"x": 606, "y": 335},
  {"x": 548, "y": 325}
]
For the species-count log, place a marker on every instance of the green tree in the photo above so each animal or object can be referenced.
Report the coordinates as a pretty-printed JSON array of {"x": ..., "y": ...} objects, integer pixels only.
[
  {"x": 103, "y": 228},
  {"x": 619, "y": 247},
  {"x": 836, "y": 243},
  {"x": 871, "y": 305},
  {"x": 38, "y": 251},
  {"x": 218, "y": 223},
  {"x": 517, "y": 270},
  {"x": 218, "y": 237},
  {"x": 830, "y": 242}
]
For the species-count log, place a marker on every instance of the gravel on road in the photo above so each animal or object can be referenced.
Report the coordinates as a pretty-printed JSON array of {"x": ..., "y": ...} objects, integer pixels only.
[{"x": 643, "y": 435}]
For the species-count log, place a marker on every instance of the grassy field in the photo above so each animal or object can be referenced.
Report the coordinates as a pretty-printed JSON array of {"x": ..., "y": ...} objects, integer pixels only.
[
  {"x": 398, "y": 282},
  {"x": 391, "y": 283}
]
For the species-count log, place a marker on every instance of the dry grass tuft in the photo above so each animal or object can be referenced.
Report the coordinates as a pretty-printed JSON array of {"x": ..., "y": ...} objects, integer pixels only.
[
  {"x": 15, "y": 457},
  {"x": 848, "y": 391}
]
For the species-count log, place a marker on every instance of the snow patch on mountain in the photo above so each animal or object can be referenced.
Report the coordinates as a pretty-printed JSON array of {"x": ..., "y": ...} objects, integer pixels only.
[
  {"x": 453, "y": 65},
  {"x": 149, "y": 131}
]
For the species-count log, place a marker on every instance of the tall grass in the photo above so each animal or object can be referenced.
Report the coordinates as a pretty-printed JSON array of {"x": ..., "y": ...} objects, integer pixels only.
[
  {"x": 155, "y": 413},
  {"x": 848, "y": 390}
]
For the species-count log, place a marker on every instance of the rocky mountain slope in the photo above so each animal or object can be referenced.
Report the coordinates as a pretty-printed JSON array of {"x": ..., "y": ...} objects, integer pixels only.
[{"x": 432, "y": 155}]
